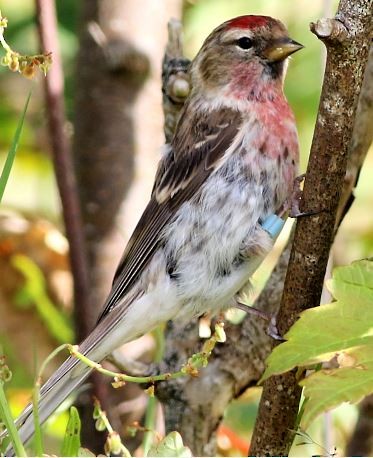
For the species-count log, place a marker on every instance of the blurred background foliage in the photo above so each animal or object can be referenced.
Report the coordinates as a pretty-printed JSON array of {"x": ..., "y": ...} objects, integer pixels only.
[{"x": 30, "y": 218}]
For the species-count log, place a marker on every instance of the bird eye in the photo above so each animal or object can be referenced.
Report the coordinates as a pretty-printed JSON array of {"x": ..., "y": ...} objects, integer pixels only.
[{"x": 245, "y": 43}]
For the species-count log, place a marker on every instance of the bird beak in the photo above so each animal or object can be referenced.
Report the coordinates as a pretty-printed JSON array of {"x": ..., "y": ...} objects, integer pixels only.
[{"x": 281, "y": 49}]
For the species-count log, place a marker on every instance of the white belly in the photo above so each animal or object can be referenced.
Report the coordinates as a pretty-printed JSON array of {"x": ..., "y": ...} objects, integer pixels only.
[{"x": 205, "y": 243}]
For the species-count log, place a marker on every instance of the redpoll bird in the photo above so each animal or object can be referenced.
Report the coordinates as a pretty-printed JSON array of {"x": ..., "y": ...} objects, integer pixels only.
[{"x": 230, "y": 166}]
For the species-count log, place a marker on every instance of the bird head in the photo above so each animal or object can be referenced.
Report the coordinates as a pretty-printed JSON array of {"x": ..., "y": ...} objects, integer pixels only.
[{"x": 244, "y": 54}]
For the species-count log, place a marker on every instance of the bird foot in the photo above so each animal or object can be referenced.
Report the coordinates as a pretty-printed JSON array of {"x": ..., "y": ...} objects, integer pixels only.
[
  {"x": 292, "y": 204},
  {"x": 272, "y": 330},
  {"x": 296, "y": 197}
]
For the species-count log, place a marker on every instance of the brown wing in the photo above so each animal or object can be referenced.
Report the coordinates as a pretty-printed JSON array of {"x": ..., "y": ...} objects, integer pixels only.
[{"x": 195, "y": 152}]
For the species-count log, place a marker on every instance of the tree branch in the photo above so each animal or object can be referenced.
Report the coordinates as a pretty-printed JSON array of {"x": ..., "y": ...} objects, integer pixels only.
[
  {"x": 347, "y": 39},
  {"x": 63, "y": 166}
]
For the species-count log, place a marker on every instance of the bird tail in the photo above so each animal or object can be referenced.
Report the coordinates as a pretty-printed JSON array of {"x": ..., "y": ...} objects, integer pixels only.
[
  {"x": 62, "y": 383},
  {"x": 121, "y": 325}
]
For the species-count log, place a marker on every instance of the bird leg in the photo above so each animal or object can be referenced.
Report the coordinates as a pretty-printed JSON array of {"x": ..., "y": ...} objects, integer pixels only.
[{"x": 272, "y": 330}]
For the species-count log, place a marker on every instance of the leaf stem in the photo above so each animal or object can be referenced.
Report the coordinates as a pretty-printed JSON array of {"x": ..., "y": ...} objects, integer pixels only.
[
  {"x": 151, "y": 408},
  {"x": 149, "y": 424},
  {"x": 13, "y": 149},
  {"x": 118, "y": 377},
  {"x": 38, "y": 441},
  {"x": 113, "y": 443}
]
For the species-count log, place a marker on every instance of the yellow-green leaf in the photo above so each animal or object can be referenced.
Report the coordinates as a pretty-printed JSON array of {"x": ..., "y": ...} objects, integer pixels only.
[
  {"x": 71, "y": 441},
  {"x": 322, "y": 331},
  {"x": 12, "y": 150},
  {"x": 342, "y": 330}
]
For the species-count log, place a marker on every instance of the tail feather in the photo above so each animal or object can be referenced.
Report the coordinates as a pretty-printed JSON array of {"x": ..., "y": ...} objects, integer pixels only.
[{"x": 103, "y": 339}]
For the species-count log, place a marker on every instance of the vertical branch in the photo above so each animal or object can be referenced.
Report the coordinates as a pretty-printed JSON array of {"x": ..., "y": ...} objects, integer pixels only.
[
  {"x": 347, "y": 39},
  {"x": 175, "y": 78},
  {"x": 54, "y": 90}
]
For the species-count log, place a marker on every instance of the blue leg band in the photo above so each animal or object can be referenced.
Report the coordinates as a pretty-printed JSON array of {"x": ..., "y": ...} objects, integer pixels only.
[{"x": 273, "y": 224}]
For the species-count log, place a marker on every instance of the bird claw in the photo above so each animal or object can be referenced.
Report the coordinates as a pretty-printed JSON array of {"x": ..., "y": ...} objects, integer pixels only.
[
  {"x": 271, "y": 330},
  {"x": 296, "y": 197},
  {"x": 299, "y": 214},
  {"x": 291, "y": 206}
]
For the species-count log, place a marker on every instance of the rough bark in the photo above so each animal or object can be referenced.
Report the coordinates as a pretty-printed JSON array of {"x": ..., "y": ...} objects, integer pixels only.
[
  {"x": 347, "y": 38},
  {"x": 240, "y": 361}
]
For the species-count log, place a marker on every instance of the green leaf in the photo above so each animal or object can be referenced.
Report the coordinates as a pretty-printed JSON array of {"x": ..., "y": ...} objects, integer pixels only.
[
  {"x": 353, "y": 282},
  {"x": 322, "y": 331},
  {"x": 171, "y": 445},
  {"x": 7, "y": 419},
  {"x": 13, "y": 149},
  {"x": 71, "y": 441},
  {"x": 342, "y": 330}
]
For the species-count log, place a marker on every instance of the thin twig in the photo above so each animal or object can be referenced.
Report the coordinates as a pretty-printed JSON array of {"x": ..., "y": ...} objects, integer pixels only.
[
  {"x": 191, "y": 367},
  {"x": 113, "y": 444},
  {"x": 38, "y": 437},
  {"x": 54, "y": 91}
]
